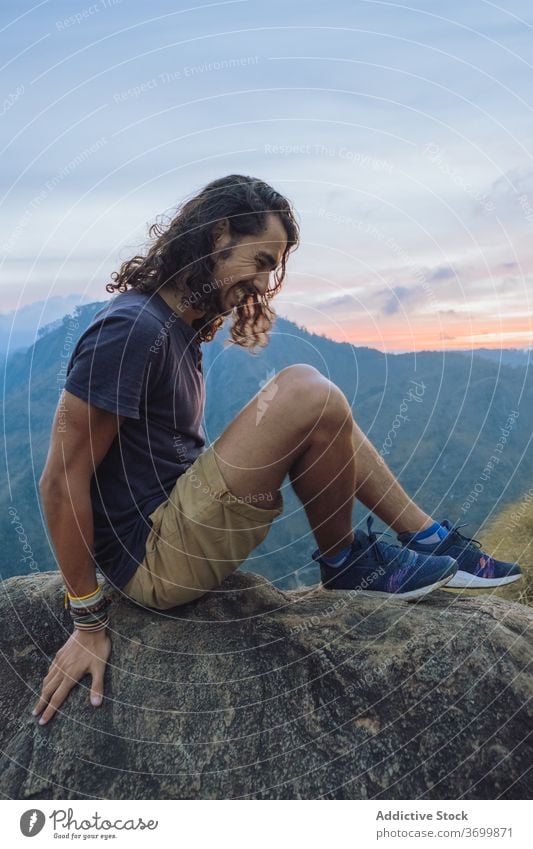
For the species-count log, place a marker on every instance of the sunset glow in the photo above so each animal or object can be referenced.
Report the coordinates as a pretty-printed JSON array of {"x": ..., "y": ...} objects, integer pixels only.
[
  {"x": 518, "y": 333},
  {"x": 409, "y": 166}
]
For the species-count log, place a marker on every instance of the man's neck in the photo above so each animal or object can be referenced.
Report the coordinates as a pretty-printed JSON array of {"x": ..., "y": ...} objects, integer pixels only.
[{"x": 177, "y": 302}]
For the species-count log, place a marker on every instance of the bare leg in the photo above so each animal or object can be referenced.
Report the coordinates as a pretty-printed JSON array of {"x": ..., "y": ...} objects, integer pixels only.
[
  {"x": 378, "y": 489},
  {"x": 299, "y": 424}
]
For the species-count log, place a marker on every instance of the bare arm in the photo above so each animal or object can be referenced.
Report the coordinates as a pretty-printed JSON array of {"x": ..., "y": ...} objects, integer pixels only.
[{"x": 81, "y": 437}]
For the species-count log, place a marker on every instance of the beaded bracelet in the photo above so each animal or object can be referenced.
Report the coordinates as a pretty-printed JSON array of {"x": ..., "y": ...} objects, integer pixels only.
[
  {"x": 88, "y": 612},
  {"x": 98, "y": 624}
]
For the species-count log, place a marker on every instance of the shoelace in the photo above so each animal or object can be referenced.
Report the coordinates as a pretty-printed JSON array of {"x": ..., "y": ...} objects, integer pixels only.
[
  {"x": 453, "y": 529},
  {"x": 376, "y": 545}
]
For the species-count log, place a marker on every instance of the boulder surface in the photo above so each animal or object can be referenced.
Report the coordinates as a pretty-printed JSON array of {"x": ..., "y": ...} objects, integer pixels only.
[{"x": 251, "y": 692}]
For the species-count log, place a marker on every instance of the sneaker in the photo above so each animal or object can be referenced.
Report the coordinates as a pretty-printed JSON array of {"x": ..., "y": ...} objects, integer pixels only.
[
  {"x": 376, "y": 568},
  {"x": 477, "y": 570}
]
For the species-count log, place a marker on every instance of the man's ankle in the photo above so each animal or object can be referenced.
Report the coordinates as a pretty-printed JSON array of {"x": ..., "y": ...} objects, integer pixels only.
[
  {"x": 430, "y": 536},
  {"x": 415, "y": 527},
  {"x": 337, "y": 554}
]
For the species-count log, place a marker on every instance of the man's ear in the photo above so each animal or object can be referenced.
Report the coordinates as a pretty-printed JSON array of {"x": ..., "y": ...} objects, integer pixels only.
[{"x": 220, "y": 230}]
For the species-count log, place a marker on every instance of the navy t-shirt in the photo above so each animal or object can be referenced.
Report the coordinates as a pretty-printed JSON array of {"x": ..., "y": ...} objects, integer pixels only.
[{"x": 138, "y": 359}]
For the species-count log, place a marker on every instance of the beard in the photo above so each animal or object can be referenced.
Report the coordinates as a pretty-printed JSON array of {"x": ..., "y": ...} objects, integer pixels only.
[
  {"x": 252, "y": 317},
  {"x": 245, "y": 296}
]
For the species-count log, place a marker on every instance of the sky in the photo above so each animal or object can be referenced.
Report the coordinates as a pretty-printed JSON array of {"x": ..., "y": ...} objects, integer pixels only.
[{"x": 402, "y": 133}]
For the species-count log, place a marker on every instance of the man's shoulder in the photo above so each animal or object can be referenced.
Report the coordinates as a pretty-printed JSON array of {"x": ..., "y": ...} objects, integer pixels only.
[
  {"x": 120, "y": 343},
  {"x": 142, "y": 319},
  {"x": 138, "y": 315},
  {"x": 145, "y": 307}
]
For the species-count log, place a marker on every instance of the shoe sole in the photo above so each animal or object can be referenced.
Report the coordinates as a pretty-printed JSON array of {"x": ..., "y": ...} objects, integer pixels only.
[
  {"x": 466, "y": 581},
  {"x": 408, "y": 596}
]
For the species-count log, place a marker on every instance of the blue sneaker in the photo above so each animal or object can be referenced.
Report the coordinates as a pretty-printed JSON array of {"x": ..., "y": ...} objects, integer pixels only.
[
  {"x": 477, "y": 570},
  {"x": 379, "y": 569}
]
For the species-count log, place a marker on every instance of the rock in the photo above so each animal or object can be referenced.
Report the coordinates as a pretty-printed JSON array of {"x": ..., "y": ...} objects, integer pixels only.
[{"x": 255, "y": 693}]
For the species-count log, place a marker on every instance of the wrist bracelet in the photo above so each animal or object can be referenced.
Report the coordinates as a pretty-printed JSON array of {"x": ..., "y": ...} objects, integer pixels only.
[
  {"x": 92, "y": 619},
  {"x": 81, "y": 600},
  {"x": 88, "y": 612},
  {"x": 96, "y": 627}
]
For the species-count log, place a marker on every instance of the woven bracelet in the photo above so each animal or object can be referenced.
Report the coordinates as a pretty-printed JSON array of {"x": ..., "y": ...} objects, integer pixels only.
[
  {"x": 96, "y": 626},
  {"x": 91, "y": 620},
  {"x": 88, "y": 612}
]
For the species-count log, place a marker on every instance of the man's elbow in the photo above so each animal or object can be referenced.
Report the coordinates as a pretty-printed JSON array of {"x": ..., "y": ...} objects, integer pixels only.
[
  {"x": 43, "y": 482},
  {"x": 50, "y": 484},
  {"x": 54, "y": 485},
  {"x": 59, "y": 484}
]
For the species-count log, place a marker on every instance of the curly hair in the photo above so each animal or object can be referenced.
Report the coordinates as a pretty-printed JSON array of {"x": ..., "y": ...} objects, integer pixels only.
[{"x": 182, "y": 253}]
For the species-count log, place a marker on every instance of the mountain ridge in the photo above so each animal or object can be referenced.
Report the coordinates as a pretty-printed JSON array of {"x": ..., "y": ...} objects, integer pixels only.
[{"x": 439, "y": 448}]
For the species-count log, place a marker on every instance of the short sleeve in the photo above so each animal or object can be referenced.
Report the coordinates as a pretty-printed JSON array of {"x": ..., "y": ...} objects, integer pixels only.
[{"x": 114, "y": 360}]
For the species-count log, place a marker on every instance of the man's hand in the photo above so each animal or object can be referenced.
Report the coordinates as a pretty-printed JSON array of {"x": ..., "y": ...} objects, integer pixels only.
[{"x": 84, "y": 651}]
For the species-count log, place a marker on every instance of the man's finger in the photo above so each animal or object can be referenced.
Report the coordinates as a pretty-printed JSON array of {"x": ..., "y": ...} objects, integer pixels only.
[
  {"x": 47, "y": 689},
  {"x": 56, "y": 701},
  {"x": 97, "y": 688},
  {"x": 52, "y": 672}
]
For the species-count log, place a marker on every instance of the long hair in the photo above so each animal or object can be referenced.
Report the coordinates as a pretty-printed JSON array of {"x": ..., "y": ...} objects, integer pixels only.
[{"x": 182, "y": 253}]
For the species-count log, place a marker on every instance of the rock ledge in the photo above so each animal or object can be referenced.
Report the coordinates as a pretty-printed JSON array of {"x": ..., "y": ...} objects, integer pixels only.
[{"x": 251, "y": 692}]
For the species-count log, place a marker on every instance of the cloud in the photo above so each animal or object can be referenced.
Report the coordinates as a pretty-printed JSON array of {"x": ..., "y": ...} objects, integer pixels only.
[
  {"x": 514, "y": 182},
  {"x": 512, "y": 195},
  {"x": 445, "y": 272},
  {"x": 395, "y": 297},
  {"x": 337, "y": 301}
]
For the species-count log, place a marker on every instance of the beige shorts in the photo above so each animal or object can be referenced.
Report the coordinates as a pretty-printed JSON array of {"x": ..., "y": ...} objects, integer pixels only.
[{"x": 200, "y": 535}]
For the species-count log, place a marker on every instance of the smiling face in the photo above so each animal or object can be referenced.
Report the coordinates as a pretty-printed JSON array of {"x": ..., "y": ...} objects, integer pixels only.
[{"x": 243, "y": 265}]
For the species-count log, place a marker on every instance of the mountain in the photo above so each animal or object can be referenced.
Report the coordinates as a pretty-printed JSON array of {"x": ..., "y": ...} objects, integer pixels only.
[
  {"x": 506, "y": 356},
  {"x": 456, "y": 430},
  {"x": 20, "y": 328},
  {"x": 261, "y": 694}
]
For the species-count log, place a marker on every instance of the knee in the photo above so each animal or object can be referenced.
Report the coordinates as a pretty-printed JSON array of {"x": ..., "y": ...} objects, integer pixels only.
[
  {"x": 298, "y": 374},
  {"x": 317, "y": 398},
  {"x": 300, "y": 383}
]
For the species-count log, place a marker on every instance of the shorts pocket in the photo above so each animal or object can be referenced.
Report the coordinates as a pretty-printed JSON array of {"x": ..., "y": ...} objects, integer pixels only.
[
  {"x": 218, "y": 490},
  {"x": 156, "y": 518},
  {"x": 134, "y": 588}
]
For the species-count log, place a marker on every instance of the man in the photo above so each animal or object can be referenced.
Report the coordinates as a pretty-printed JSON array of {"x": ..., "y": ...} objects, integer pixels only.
[{"x": 129, "y": 484}]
